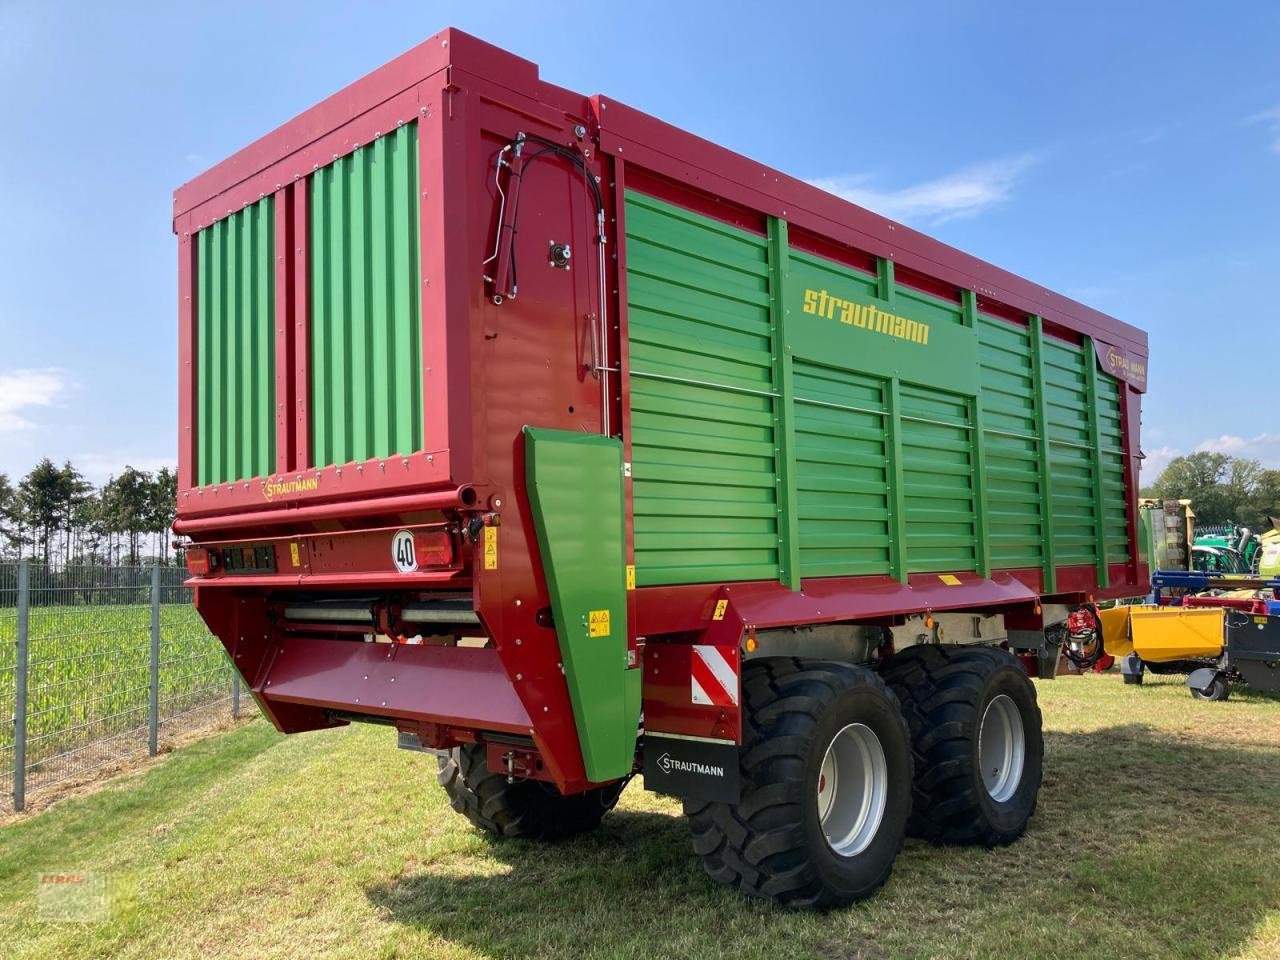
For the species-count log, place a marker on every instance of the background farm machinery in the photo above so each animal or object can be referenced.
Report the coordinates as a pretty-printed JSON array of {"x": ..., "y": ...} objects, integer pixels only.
[{"x": 1218, "y": 629}]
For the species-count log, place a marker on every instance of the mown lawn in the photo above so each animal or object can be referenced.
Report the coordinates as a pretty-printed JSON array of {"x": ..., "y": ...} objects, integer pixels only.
[{"x": 1158, "y": 835}]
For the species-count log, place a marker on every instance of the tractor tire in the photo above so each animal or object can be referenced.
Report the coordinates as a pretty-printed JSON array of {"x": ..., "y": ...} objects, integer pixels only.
[
  {"x": 826, "y": 787},
  {"x": 525, "y": 809},
  {"x": 1218, "y": 691},
  {"x": 976, "y": 740}
]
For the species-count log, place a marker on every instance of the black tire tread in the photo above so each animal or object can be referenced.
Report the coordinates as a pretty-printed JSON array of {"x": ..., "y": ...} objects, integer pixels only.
[
  {"x": 525, "y": 809},
  {"x": 939, "y": 688},
  {"x": 758, "y": 845}
]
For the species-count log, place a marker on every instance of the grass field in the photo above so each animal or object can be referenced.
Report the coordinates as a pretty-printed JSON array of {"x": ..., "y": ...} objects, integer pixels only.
[{"x": 1157, "y": 835}]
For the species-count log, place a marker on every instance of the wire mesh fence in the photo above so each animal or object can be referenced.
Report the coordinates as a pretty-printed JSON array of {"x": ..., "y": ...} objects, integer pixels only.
[{"x": 98, "y": 664}]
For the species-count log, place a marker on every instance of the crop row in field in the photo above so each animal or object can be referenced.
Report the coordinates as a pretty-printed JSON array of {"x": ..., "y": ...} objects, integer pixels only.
[{"x": 89, "y": 672}]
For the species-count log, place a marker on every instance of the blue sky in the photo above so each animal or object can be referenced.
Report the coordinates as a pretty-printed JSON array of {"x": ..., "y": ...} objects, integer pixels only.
[{"x": 1127, "y": 154}]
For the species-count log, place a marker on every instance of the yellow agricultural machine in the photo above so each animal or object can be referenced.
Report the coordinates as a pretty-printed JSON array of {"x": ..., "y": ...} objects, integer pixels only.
[{"x": 1216, "y": 629}]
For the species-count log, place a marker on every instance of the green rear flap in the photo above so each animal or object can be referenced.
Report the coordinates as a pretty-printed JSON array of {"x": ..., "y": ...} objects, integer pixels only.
[{"x": 575, "y": 490}]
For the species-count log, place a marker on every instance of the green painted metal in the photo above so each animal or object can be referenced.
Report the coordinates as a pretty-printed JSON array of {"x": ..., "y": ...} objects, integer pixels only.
[
  {"x": 898, "y": 553},
  {"x": 937, "y": 479},
  {"x": 704, "y": 423},
  {"x": 1044, "y": 463},
  {"x": 792, "y": 418},
  {"x": 841, "y": 318},
  {"x": 784, "y": 408},
  {"x": 576, "y": 495},
  {"x": 842, "y": 475},
  {"x": 1111, "y": 454},
  {"x": 1009, "y": 432},
  {"x": 978, "y": 455},
  {"x": 885, "y": 287},
  {"x": 235, "y": 346},
  {"x": 1096, "y": 467},
  {"x": 366, "y": 354}
]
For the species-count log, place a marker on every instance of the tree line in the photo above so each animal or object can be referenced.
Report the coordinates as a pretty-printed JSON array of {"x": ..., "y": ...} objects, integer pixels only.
[
  {"x": 55, "y": 516},
  {"x": 1221, "y": 488}
]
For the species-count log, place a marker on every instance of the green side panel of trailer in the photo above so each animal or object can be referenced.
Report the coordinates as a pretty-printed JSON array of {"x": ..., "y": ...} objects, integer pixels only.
[
  {"x": 366, "y": 354},
  {"x": 703, "y": 405},
  {"x": 796, "y": 417},
  {"x": 1011, "y": 444},
  {"x": 575, "y": 491},
  {"x": 235, "y": 346}
]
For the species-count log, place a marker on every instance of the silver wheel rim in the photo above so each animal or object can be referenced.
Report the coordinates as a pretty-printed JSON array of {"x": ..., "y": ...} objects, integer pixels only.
[
  {"x": 853, "y": 786},
  {"x": 1002, "y": 748}
]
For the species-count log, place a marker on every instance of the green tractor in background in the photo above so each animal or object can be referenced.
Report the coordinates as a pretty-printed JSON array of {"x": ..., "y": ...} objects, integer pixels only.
[{"x": 1232, "y": 548}]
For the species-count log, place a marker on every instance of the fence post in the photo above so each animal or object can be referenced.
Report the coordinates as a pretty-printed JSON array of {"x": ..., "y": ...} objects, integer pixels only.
[
  {"x": 153, "y": 714},
  {"x": 20, "y": 688},
  {"x": 235, "y": 693}
]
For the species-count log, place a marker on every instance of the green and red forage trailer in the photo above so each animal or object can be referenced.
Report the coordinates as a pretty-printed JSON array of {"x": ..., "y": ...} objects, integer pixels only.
[{"x": 574, "y": 446}]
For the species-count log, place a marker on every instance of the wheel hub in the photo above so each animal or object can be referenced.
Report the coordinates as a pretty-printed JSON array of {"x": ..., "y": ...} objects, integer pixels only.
[
  {"x": 1002, "y": 748},
  {"x": 852, "y": 789}
]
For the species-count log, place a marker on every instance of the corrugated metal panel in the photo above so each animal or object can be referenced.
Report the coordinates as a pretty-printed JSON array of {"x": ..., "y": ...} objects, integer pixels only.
[
  {"x": 938, "y": 480},
  {"x": 366, "y": 356},
  {"x": 890, "y": 473},
  {"x": 1013, "y": 481},
  {"x": 1115, "y": 506},
  {"x": 1070, "y": 453},
  {"x": 703, "y": 409},
  {"x": 842, "y": 471},
  {"x": 235, "y": 346}
]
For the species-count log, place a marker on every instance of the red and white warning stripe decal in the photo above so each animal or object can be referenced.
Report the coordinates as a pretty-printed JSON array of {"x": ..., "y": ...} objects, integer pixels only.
[{"x": 714, "y": 677}]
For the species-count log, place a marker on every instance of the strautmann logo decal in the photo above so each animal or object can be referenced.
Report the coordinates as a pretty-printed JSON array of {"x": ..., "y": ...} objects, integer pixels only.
[
  {"x": 871, "y": 319},
  {"x": 285, "y": 488}
]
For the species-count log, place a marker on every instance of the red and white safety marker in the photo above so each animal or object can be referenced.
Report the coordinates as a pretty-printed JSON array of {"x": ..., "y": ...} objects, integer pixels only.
[{"x": 714, "y": 677}]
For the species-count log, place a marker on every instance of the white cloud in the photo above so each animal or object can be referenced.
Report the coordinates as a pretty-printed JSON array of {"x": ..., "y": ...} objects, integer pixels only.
[
  {"x": 21, "y": 390},
  {"x": 1155, "y": 461},
  {"x": 1264, "y": 447},
  {"x": 964, "y": 193},
  {"x": 1271, "y": 120},
  {"x": 98, "y": 468}
]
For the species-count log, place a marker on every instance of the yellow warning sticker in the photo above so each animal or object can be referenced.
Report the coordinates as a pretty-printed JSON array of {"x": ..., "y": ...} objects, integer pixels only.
[
  {"x": 721, "y": 607},
  {"x": 293, "y": 555},
  {"x": 491, "y": 548},
  {"x": 631, "y": 576},
  {"x": 949, "y": 579},
  {"x": 598, "y": 623}
]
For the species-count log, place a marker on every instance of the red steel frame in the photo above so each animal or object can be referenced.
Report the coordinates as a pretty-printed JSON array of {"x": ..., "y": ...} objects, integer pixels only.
[{"x": 467, "y": 98}]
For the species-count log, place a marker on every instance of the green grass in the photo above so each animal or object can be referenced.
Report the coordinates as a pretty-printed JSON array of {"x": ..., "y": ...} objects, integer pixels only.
[
  {"x": 1157, "y": 835},
  {"x": 89, "y": 672}
]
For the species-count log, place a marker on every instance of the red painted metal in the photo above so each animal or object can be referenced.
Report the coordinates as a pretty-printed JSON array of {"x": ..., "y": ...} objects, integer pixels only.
[
  {"x": 487, "y": 371},
  {"x": 668, "y": 704},
  {"x": 338, "y": 510},
  {"x": 458, "y": 686}
]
